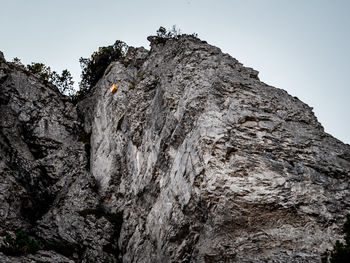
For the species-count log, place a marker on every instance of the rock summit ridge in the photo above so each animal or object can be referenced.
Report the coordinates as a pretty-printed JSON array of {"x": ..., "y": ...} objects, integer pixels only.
[{"x": 193, "y": 159}]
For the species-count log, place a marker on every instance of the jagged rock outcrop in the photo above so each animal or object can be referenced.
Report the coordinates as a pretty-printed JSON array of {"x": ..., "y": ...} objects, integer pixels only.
[
  {"x": 193, "y": 159},
  {"x": 46, "y": 187}
]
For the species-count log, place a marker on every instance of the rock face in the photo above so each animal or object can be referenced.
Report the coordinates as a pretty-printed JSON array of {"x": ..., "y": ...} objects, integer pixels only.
[
  {"x": 193, "y": 159},
  {"x": 46, "y": 188}
]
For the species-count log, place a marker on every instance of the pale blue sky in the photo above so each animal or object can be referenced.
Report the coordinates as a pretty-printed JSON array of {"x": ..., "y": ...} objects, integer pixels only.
[{"x": 301, "y": 46}]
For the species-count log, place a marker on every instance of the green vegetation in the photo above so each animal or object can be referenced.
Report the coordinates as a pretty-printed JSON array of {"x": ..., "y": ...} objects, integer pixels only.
[
  {"x": 171, "y": 33},
  {"x": 140, "y": 76},
  {"x": 40, "y": 70},
  {"x": 92, "y": 70},
  {"x": 23, "y": 244},
  {"x": 341, "y": 252},
  {"x": 174, "y": 33},
  {"x": 94, "y": 67},
  {"x": 63, "y": 82},
  {"x": 17, "y": 62}
]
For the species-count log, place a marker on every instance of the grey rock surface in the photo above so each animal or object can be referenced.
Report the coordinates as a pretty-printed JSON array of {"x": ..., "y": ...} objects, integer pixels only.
[
  {"x": 39, "y": 257},
  {"x": 46, "y": 188},
  {"x": 193, "y": 159}
]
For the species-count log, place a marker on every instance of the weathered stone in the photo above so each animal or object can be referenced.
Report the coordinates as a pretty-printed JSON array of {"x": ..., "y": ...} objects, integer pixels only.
[
  {"x": 193, "y": 159},
  {"x": 40, "y": 256},
  {"x": 47, "y": 189},
  {"x": 211, "y": 165}
]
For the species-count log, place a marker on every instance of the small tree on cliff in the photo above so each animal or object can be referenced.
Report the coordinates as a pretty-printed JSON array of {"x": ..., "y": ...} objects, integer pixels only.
[
  {"x": 174, "y": 33},
  {"x": 63, "y": 82},
  {"x": 94, "y": 67},
  {"x": 40, "y": 70},
  {"x": 341, "y": 252}
]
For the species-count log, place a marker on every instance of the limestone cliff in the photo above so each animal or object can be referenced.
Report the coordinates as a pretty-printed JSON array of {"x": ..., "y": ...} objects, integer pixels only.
[{"x": 193, "y": 159}]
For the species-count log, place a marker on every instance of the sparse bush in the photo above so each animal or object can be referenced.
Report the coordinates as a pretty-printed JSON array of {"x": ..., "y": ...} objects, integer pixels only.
[
  {"x": 17, "y": 62},
  {"x": 163, "y": 34},
  {"x": 174, "y": 33},
  {"x": 94, "y": 67},
  {"x": 171, "y": 33},
  {"x": 341, "y": 252},
  {"x": 21, "y": 244},
  {"x": 41, "y": 71},
  {"x": 63, "y": 82}
]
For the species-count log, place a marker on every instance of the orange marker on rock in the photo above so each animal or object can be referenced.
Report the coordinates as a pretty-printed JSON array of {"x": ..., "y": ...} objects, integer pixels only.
[{"x": 113, "y": 88}]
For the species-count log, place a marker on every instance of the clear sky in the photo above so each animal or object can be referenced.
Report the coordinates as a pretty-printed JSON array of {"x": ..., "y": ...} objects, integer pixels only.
[{"x": 301, "y": 46}]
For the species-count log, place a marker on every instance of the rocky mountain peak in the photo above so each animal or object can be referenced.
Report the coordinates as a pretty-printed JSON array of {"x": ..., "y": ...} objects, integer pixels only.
[
  {"x": 193, "y": 159},
  {"x": 2, "y": 56}
]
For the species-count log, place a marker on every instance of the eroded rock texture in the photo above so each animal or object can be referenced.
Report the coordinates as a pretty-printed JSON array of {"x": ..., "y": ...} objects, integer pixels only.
[
  {"x": 46, "y": 188},
  {"x": 193, "y": 159}
]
